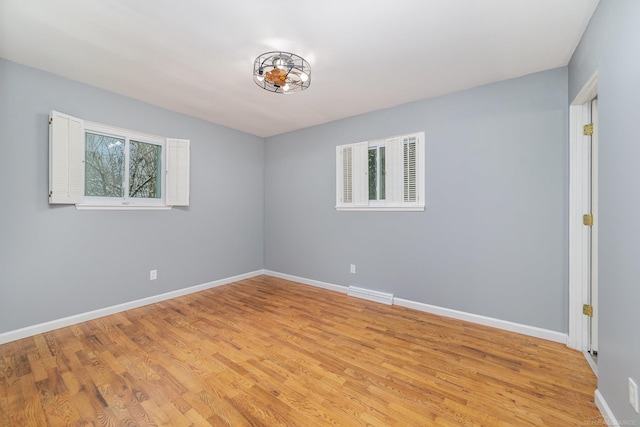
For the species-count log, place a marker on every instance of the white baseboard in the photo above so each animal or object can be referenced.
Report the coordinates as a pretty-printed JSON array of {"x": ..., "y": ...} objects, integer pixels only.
[
  {"x": 591, "y": 362},
  {"x": 532, "y": 331},
  {"x": 371, "y": 295},
  {"x": 604, "y": 409},
  {"x": 83, "y": 317},
  {"x": 316, "y": 283},
  {"x": 6, "y": 337}
]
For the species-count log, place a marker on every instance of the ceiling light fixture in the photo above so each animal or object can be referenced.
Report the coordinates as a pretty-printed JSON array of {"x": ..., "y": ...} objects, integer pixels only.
[{"x": 281, "y": 72}]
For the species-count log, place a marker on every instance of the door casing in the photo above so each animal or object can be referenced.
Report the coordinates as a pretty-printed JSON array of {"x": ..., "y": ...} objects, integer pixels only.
[{"x": 579, "y": 196}]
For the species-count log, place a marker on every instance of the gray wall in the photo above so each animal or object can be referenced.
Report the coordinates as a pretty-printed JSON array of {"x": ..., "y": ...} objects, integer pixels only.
[
  {"x": 56, "y": 261},
  {"x": 610, "y": 44},
  {"x": 493, "y": 238},
  {"x": 586, "y": 57}
]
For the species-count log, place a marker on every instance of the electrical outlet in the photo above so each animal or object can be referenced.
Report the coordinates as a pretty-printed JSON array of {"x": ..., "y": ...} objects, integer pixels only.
[
  {"x": 634, "y": 399},
  {"x": 352, "y": 269},
  {"x": 153, "y": 274}
]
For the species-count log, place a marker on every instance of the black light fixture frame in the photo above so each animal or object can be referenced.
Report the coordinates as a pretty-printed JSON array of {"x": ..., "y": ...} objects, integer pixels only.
[{"x": 294, "y": 65}]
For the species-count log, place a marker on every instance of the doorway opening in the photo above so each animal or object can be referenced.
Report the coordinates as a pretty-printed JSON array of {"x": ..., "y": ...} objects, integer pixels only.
[{"x": 583, "y": 222}]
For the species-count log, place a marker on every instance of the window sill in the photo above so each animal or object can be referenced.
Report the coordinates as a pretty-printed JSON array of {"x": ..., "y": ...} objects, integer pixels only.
[
  {"x": 82, "y": 207},
  {"x": 382, "y": 208}
]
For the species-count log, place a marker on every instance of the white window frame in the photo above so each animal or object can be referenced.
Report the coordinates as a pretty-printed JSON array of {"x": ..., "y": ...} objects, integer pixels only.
[
  {"x": 352, "y": 181},
  {"x": 127, "y": 136},
  {"x": 67, "y": 166},
  {"x": 375, "y": 145}
]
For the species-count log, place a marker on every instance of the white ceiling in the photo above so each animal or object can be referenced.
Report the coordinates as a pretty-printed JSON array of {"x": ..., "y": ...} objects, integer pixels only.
[{"x": 196, "y": 56}]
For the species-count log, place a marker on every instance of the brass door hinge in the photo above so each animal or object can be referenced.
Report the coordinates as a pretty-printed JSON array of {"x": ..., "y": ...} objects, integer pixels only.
[
  {"x": 587, "y": 310},
  {"x": 587, "y": 219},
  {"x": 587, "y": 129}
]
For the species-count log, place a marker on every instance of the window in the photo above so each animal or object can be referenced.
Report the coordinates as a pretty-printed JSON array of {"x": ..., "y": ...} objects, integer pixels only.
[
  {"x": 376, "y": 173},
  {"x": 385, "y": 174},
  {"x": 122, "y": 167},
  {"x": 99, "y": 166}
]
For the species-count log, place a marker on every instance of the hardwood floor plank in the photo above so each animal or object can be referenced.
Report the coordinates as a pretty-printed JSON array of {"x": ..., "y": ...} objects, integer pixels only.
[
  {"x": 225, "y": 412},
  {"x": 4, "y": 398},
  {"x": 270, "y": 352},
  {"x": 28, "y": 410}
]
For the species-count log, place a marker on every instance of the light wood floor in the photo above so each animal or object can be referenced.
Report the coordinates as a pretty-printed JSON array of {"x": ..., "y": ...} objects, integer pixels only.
[{"x": 268, "y": 352}]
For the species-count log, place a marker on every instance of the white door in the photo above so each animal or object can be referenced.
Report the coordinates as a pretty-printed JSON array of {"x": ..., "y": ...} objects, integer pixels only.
[
  {"x": 583, "y": 199},
  {"x": 593, "y": 282}
]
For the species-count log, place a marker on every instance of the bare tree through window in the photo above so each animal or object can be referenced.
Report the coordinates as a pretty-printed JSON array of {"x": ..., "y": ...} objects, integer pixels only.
[
  {"x": 106, "y": 160},
  {"x": 104, "y": 166},
  {"x": 144, "y": 170}
]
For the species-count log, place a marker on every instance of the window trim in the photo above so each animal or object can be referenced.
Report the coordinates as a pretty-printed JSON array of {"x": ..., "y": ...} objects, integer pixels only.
[
  {"x": 395, "y": 176},
  {"x": 128, "y": 136},
  {"x": 67, "y": 166}
]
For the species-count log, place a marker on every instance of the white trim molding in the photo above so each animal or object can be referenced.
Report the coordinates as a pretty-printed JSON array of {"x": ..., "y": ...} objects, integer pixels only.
[
  {"x": 460, "y": 315},
  {"x": 579, "y": 269},
  {"x": 305, "y": 281},
  {"x": 371, "y": 295},
  {"x": 591, "y": 362},
  {"x": 90, "y": 315},
  {"x": 607, "y": 413},
  {"x": 532, "y": 331}
]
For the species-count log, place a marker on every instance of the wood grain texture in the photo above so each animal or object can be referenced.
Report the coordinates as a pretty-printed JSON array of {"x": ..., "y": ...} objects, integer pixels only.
[{"x": 270, "y": 352}]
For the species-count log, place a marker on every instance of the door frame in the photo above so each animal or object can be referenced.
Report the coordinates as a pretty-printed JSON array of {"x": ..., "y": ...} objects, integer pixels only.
[{"x": 579, "y": 194}]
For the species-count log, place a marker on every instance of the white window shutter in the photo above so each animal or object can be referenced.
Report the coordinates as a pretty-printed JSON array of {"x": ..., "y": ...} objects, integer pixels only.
[
  {"x": 344, "y": 175},
  {"x": 178, "y": 163},
  {"x": 361, "y": 174},
  {"x": 410, "y": 173},
  {"x": 66, "y": 159},
  {"x": 394, "y": 167},
  {"x": 352, "y": 178}
]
